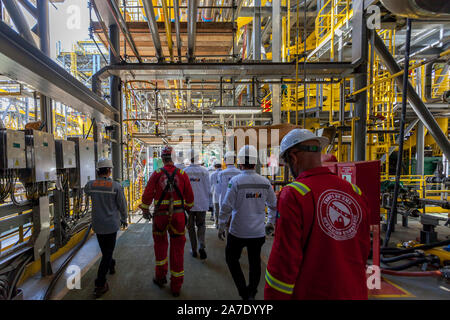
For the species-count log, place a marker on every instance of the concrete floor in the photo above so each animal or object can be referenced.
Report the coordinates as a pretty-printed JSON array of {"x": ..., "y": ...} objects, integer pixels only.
[{"x": 209, "y": 280}]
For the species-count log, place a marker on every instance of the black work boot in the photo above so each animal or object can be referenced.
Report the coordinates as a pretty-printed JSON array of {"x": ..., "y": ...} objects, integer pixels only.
[
  {"x": 175, "y": 294},
  {"x": 101, "y": 290},
  {"x": 112, "y": 268},
  {"x": 160, "y": 282},
  {"x": 202, "y": 254},
  {"x": 194, "y": 253}
]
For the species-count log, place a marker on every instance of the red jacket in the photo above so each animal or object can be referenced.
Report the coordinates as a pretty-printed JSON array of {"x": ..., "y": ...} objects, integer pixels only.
[
  {"x": 157, "y": 183},
  {"x": 322, "y": 240}
]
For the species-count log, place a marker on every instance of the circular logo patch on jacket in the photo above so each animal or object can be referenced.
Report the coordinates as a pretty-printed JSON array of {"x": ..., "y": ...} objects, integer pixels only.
[{"x": 339, "y": 215}]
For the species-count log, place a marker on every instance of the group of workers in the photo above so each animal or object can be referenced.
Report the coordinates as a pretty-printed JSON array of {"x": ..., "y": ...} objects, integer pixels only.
[{"x": 320, "y": 222}]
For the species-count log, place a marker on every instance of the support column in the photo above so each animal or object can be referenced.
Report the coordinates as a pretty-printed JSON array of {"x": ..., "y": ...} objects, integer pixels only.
[
  {"x": 359, "y": 54},
  {"x": 44, "y": 43},
  {"x": 276, "y": 57},
  {"x": 114, "y": 86},
  {"x": 420, "y": 148},
  {"x": 257, "y": 30}
]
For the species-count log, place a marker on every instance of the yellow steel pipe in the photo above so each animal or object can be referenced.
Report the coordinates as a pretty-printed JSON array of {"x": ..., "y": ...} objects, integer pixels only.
[{"x": 168, "y": 28}]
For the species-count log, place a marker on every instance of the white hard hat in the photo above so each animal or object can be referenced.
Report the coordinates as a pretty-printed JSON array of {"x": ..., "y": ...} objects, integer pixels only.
[
  {"x": 247, "y": 151},
  {"x": 216, "y": 163},
  {"x": 229, "y": 157},
  {"x": 297, "y": 136},
  {"x": 104, "y": 163}
]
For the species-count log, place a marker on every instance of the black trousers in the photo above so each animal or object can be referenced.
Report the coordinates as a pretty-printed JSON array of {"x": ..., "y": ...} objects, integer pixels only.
[
  {"x": 107, "y": 243},
  {"x": 233, "y": 253}
]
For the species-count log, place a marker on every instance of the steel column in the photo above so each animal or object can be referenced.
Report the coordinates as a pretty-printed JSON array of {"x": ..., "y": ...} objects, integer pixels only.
[
  {"x": 44, "y": 41},
  {"x": 359, "y": 55},
  {"x": 19, "y": 20},
  {"x": 415, "y": 102},
  {"x": 114, "y": 86},
  {"x": 257, "y": 30},
  {"x": 276, "y": 57},
  {"x": 192, "y": 29}
]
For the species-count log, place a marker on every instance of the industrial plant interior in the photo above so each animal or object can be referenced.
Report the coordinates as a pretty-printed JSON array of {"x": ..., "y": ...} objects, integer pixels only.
[{"x": 86, "y": 81}]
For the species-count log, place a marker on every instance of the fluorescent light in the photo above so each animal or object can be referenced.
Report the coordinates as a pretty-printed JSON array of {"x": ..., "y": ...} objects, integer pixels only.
[{"x": 237, "y": 110}]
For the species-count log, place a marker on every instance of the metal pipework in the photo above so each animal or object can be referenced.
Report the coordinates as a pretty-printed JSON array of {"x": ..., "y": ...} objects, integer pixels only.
[
  {"x": 177, "y": 27},
  {"x": 168, "y": 27},
  {"x": 153, "y": 26},
  {"x": 105, "y": 31},
  {"x": 416, "y": 103},
  {"x": 19, "y": 20},
  {"x": 30, "y": 7},
  {"x": 123, "y": 27},
  {"x": 192, "y": 28}
]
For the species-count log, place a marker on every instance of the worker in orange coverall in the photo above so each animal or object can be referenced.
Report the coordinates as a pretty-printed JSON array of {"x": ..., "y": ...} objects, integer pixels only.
[
  {"x": 322, "y": 235},
  {"x": 170, "y": 189}
]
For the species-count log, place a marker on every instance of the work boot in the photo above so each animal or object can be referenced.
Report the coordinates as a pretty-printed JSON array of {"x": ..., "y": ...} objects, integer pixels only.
[
  {"x": 112, "y": 268},
  {"x": 99, "y": 291},
  {"x": 202, "y": 254},
  {"x": 175, "y": 294},
  {"x": 160, "y": 282},
  {"x": 194, "y": 254}
]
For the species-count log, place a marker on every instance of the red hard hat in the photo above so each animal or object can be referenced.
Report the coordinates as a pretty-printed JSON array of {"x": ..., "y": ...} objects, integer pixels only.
[{"x": 167, "y": 151}]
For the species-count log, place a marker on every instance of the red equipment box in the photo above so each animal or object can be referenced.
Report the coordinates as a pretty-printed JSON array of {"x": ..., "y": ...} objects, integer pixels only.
[{"x": 366, "y": 175}]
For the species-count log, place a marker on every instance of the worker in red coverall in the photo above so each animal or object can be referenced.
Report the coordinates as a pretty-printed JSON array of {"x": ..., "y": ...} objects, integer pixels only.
[
  {"x": 170, "y": 189},
  {"x": 322, "y": 237}
]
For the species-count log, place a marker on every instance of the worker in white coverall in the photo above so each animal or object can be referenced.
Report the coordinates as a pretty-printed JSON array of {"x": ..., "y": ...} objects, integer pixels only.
[
  {"x": 215, "y": 195},
  {"x": 224, "y": 177},
  {"x": 246, "y": 199},
  {"x": 199, "y": 178}
]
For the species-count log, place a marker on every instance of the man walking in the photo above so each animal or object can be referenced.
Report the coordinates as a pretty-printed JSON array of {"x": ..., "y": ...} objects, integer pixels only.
[
  {"x": 246, "y": 199},
  {"x": 109, "y": 213},
  {"x": 171, "y": 190},
  {"x": 213, "y": 178},
  {"x": 322, "y": 237},
  {"x": 199, "y": 178},
  {"x": 224, "y": 178}
]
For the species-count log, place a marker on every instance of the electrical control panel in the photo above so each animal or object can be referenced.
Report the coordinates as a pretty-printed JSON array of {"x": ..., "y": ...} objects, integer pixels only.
[
  {"x": 12, "y": 149},
  {"x": 85, "y": 156},
  {"x": 65, "y": 154},
  {"x": 41, "y": 155}
]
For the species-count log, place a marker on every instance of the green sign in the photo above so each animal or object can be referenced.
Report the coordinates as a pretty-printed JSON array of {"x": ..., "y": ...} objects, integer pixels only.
[{"x": 16, "y": 145}]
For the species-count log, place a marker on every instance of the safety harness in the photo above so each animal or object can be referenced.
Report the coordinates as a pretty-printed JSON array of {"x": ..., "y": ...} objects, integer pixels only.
[{"x": 171, "y": 186}]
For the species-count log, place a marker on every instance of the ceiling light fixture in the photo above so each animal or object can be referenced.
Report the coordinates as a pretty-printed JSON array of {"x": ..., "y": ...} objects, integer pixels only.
[{"x": 236, "y": 110}]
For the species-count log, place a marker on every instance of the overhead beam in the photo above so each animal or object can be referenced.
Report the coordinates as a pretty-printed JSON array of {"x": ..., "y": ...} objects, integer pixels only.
[
  {"x": 237, "y": 71},
  {"x": 21, "y": 61}
]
